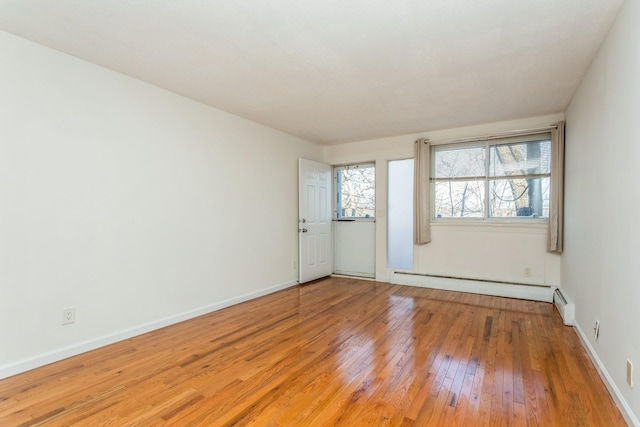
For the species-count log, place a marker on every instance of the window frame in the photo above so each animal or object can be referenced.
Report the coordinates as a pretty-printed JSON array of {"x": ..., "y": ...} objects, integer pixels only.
[
  {"x": 337, "y": 192},
  {"x": 487, "y": 179}
]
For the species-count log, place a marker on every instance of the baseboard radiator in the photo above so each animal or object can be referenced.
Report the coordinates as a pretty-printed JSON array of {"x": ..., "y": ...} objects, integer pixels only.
[
  {"x": 565, "y": 307},
  {"x": 475, "y": 286}
]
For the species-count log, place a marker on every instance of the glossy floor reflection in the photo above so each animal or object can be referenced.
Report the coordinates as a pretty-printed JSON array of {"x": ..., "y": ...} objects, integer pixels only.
[{"x": 334, "y": 352}]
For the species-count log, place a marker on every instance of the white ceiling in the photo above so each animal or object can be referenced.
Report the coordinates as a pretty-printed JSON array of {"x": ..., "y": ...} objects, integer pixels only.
[{"x": 333, "y": 71}]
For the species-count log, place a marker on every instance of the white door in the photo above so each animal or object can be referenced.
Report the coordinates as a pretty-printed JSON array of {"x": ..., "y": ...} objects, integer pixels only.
[
  {"x": 314, "y": 221},
  {"x": 354, "y": 230},
  {"x": 355, "y": 248}
]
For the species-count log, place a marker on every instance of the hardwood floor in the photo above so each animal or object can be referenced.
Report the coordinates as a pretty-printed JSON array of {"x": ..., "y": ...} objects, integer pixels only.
[{"x": 334, "y": 352}]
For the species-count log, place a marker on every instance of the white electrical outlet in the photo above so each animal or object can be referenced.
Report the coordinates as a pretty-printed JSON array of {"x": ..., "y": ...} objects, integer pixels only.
[
  {"x": 526, "y": 271},
  {"x": 68, "y": 315},
  {"x": 596, "y": 330},
  {"x": 629, "y": 373},
  {"x": 295, "y": 264}
]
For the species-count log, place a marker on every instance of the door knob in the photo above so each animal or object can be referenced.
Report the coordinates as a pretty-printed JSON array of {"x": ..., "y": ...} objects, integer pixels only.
[{"x": 304, "y": 230}]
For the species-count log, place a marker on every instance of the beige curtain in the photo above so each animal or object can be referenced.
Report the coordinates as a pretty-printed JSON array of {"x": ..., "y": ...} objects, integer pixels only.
[
  {"x": 556, "y": 202},
  {"x": 421, "y": 185}
]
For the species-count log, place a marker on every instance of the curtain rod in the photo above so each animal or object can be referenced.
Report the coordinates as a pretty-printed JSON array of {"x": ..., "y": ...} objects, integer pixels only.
[{"x": 519, "y": 132}]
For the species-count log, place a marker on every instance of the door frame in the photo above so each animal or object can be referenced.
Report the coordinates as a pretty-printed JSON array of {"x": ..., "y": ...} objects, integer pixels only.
[{"x": 338, "y": 220}]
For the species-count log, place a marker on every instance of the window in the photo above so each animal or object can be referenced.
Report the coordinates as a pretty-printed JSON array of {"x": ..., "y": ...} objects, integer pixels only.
[
  {"x": 355, "y": 188},
  {"x": 400, "y": 214},
  {"x": 500, "y": 178}
]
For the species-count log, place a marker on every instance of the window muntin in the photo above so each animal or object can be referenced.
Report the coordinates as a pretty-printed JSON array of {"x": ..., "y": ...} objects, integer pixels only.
[
  {"x": 502, "y": 178},
  {"x": 355, "y": 191}
]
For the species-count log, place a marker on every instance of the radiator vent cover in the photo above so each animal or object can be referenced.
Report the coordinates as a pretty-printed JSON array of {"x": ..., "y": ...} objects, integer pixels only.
[{"x": 565, "y": 307}]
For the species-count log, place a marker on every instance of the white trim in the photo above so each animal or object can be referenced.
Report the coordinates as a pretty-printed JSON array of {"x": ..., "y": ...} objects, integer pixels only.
[
  {"x": 497, "y": 136},
  {"x": 348, "y": 276},
  {"x": 58, "y": 354},
  {"x": 346, "y": 166},
  {"x": 614, "y": 391},
  {"x": 482, "y": 225},
  {"x": 354, "y": 274},
  {"x": 509, "y": 290}
]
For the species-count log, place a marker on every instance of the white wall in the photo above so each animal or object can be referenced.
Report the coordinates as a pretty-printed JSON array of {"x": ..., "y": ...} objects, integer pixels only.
[
  {"x": 602, "y": 235},
  {"x": 134, "y": 205},
  {"x": 468, "y": 251}
]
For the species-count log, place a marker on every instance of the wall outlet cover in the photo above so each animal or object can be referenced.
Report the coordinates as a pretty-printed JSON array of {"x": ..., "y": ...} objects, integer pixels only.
[{"x": 68, "y": 315}]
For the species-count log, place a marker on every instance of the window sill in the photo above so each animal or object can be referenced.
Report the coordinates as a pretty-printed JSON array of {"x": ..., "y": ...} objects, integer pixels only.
[{"x": 542, "y": 224}]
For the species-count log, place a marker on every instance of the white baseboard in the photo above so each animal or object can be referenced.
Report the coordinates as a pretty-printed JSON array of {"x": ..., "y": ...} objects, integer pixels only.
[
  {"x": 509, "y": 290},
  {"x": 536, "y": 293},
  {"x": 349, "y": 276},
  {"x": 57, "y": 354},
  {"x": 615, "y": 392}
]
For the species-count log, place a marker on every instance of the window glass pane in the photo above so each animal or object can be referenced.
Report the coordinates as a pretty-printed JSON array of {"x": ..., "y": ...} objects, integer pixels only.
[
  {"x": 459, "y": 199},
  {"x": 356, "y": 192},
  {"x": 520, "y": 197},
  {"x": 522, "y": 158},
  {"x": 459, "y": 161},
  {"x": 400, "y": 215}
]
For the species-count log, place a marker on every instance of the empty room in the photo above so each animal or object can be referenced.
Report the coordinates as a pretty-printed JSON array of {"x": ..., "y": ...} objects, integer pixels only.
[{"x": 292, "y": 213}]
